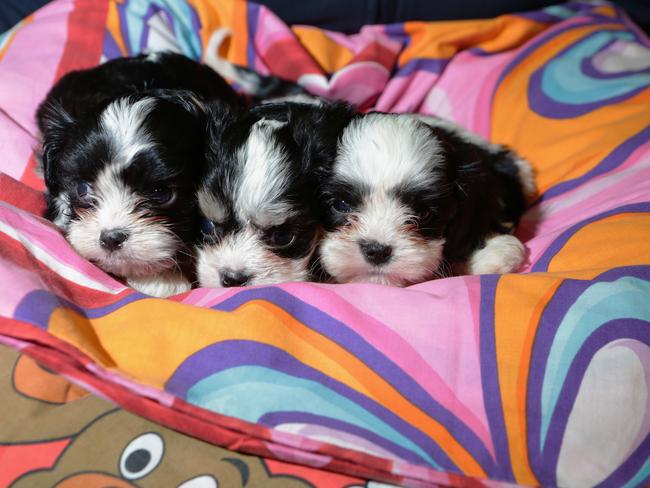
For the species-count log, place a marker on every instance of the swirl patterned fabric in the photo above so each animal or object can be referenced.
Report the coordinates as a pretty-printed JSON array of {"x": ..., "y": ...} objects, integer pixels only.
[{"x": 540, "y": 377}]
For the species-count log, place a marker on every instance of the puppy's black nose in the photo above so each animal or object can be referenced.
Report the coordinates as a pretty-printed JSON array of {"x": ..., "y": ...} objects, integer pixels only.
[
  {"x": 234, "y": 278},
  {"x": 113, "y": 239},
  {"x": 375, "y": 252}
]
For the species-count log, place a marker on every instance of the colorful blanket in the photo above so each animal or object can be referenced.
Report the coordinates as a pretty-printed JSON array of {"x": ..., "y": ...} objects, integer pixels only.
[{"x": 540, "y": 377}]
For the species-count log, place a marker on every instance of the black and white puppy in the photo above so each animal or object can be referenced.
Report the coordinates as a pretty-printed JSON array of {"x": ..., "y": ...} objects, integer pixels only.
[
  {"x": 409, "y": 198},
  {"x": 258, "y": 196},
  {"x": 122, "y": 151}
]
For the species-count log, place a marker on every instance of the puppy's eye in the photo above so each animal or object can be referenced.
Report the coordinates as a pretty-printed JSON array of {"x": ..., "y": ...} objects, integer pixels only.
[
  {"x": 162, "y": 196},
  {"x": 211, "y": 230},
  {"x": 282, "y": 238},
  {"x": 207, "y": 226},
  {"x": 84, "y": 194},
  {"x": 341, "y": 206}
]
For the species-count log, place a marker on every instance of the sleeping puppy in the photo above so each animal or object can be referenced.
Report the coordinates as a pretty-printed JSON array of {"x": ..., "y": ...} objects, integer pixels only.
[
  {"x": 258, "y": 195},
  {"x": 122, "y": 151},
  {"x": 409, "y": 198}
]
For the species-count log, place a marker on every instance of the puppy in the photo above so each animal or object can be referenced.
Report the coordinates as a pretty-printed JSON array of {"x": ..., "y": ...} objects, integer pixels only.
[
  {"x": 257, "y": 199},
  {"x": 409, "y": 198},
  {"x": 122, "y": 151}
]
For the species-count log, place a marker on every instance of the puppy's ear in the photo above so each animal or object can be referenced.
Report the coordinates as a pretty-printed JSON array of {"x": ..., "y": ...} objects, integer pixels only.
[
  {"x": 55, "y": 125},
  {"x": 187, "y": 100},
  {"x": 316, "y": 130},
  {"x": 220, "y": 115},
  {"x": 487, "y": 198}
]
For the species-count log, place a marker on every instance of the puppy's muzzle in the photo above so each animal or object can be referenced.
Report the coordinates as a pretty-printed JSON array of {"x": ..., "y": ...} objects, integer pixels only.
[
  {"x": 113, "y": 239},
  {"x": 375, "y": 252},
  {"x": 234, "y": 278}
]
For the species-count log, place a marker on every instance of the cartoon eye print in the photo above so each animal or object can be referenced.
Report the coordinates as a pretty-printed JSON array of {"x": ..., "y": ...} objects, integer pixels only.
[
  {"x": 141, "y": 456},
  {"x": 204, "y": 481}
]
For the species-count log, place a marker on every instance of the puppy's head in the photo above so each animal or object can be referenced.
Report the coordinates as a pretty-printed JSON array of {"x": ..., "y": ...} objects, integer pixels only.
[
  {"x": 387, "y": 200},
  {"x": 121, "y": 182},
  {"x": 258, "y": 198}
]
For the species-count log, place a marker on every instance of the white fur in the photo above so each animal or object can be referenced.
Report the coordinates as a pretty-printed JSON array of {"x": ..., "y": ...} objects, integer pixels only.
[
  {"x": 116, "y": 204},
  {"x": 456, "y": 129},
  {"x": 415, "y": 262},
  {"x": 526, "y": 177},
  {"x": 123, "y": 122},
  {"x": 501, "y": 254},
  {"x": 384, "y": 151},
  {"x": 300, "y": 98},
  {"x": 263, "y": 178},
  {"x": 150, "y": 247},
  {"x": 63, "y": 210},
  {"x": 380, "y": 153},
  {"x": 258, "y": 203},
  {"x": 154, "y": 56},
  {"x": 244, "y": 252},
  {"x": 160, "y": 285},
  {"x": 210, "y": 206},
  {"x": 384, "y": 219}
]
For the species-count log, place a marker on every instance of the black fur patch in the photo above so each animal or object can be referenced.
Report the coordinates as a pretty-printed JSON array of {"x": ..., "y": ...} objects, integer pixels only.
[
  {"x": 75, "y": 146},
  {"x": 486, "y": 193},
  {"x": 228, "y": 132}
]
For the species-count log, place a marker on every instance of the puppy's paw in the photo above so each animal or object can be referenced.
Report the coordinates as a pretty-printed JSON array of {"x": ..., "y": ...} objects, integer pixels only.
[
  {"x": 161, "y": 286},
  {"x": 501, "y": 254}
]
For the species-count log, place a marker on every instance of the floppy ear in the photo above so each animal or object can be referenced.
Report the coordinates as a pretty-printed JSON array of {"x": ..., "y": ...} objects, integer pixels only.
[
  {"x": 316, "y": 130},
  {"x": 55, "y": 125},
  {"x": 219, "y": 116},
  {"x": 487, "y": 197},
  {"x": 315, "y": 127}
]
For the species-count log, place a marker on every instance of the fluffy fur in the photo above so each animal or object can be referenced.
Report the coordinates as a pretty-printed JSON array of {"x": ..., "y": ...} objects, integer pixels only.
[
  {"x": 406, "y": 198},
  {"x": 257, "y": 198},
  {"x": 409, "y": 198},
  {"x": 122, "y": 151}
]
